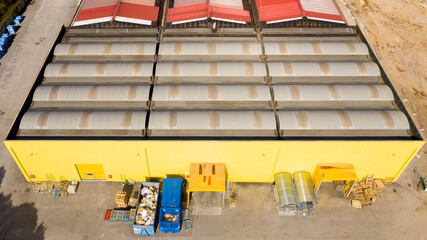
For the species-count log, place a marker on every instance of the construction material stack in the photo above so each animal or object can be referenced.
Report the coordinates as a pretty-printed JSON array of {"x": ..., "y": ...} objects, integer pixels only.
[{"x": 170, "y": 212}]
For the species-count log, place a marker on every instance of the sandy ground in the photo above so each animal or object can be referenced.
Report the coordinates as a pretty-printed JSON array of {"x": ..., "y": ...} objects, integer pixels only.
[{"x": 397, "y": 32}]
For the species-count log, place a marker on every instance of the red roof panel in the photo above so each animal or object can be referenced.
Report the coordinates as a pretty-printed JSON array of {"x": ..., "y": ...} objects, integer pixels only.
[
  {"x": 230, "y": 14},
  {"x": 95, "y": 13},
  {"x": 134, "y": 12},
  {"x": 194, "y": 12},
  {"x": 271, "y": 11},
  {"x": 325, "y": 17},
  {"x": 279, "y": 10},
  {"x": 188, "y": 13}
]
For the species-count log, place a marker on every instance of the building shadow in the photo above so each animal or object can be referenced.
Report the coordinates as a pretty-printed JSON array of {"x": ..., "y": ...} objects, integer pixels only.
[{"x": 18, "y": 222}]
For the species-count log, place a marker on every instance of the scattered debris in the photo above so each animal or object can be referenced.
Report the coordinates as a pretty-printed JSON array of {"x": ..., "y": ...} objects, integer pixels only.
[
  {"x": 133, "y": 200},
  {"x": 365, "y": 192},
  {"x": 422, "y": 184},
  {"x": 233, "y": 199},
  {"x": 146, "y": 211},
  {"x": 73, "y": 187},
  {"x": 55, "y": 188},
  {"x": 186, "y": 222}
]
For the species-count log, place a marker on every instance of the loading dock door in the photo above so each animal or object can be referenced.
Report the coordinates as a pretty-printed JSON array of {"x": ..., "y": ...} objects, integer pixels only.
[{"x": 91, "y": 171}]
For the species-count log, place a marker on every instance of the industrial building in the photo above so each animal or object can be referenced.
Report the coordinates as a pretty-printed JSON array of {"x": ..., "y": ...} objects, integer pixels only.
[{"x": 137, "y": 90}]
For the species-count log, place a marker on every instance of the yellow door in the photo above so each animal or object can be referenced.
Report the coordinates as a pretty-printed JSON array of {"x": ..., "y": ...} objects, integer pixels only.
[{"x": 91, "y": 171}]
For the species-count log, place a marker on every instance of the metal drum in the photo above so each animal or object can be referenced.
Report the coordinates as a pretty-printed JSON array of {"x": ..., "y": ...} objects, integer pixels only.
[
  {"x": 285, "y": 189},
  {"x": 304, "y": 187}
]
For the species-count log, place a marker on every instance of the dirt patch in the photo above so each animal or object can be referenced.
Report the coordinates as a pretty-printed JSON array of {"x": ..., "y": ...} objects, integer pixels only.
[{"x": 397, "y": 33}]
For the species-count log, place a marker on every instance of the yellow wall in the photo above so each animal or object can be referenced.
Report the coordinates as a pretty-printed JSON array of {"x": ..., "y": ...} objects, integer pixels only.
[{"x": 245, "y": 161}]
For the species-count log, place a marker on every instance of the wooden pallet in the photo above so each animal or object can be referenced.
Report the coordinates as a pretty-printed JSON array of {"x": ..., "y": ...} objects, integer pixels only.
[
  {"x": 356, "y": 203},
  {"x": 121, "y": 199},
  {"x": 369, "y": 180},
  {"x": 370, "y": 193},
  {"x": 388, "y": 180},
  {"x": 378, "y": 184}
]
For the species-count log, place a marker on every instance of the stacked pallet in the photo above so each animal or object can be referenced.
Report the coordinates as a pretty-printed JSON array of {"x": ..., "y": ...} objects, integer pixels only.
[
  {"x": 365, "y": 192},
  {"x": 121, "y": 199}
]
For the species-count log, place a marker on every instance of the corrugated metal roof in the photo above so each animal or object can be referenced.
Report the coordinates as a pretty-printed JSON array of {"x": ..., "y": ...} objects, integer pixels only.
[
  {"x": 99, "y": 70},
  {"x": 95, "y": 11},
  {"x": 91, "y": 49},
  {"x": 92, "y": 93},
  {"x": 195, "y": 10},
  {"x": 324, "y": 10},
  {"x": 213, "y": 88},
  {"x": 273, "y": 11},
  {"x": 137, "y": 11},
  {"x": 188, "y": 11},
  {"x": 343, "y": 123},
  {"x": 132, "y": 11},
  {"x": 324, "y": 72},
  {"x": 211, "y": 97},
  {"x": 82, "y": 123},
  {"x": 212, "y": 123},
  {"x": 91, "y": 97},
  {"x": 322, "y": 48},
  {"x": 230, "y": 51},
  {"x": 333, "y": 97},
  {"x": 229, "y": 11},
  {"x": 210, "y": 73}
]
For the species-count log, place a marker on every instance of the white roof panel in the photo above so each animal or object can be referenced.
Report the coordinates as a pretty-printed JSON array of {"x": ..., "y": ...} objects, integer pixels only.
[
  {"x": 99, "y": 70},
  {"x": 105, "y": 49},
  {"x": 92, "y": 93}
]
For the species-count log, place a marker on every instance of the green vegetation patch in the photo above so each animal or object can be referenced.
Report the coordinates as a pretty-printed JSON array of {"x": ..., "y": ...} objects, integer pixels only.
[{"x": 6, "y": 9}]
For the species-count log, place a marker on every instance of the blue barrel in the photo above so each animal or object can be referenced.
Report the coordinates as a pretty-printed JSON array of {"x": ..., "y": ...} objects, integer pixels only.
[
  {"x": 3, "y": 46},
  {"x": 18, "y": 20},
  {"x": 12, "y": 29},
  {"x": 6, "y": 36},
  {"x": 4, "y": 40}
]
